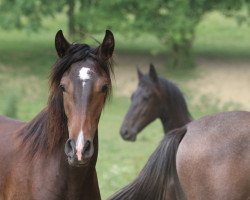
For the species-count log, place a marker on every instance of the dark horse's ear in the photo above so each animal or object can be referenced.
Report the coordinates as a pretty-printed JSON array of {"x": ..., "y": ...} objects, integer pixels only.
[
  {"x": 139, "y": 73},
  {"x": 152, "y": 73},
  {"x": 61, "y": 44},
  {"x": 106, "y": 49}
]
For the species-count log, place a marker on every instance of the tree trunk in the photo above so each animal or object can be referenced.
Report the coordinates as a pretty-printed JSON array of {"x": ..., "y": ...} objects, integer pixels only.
[
  {"x": 71, "y": 17},
  {"x": 181, "y": 55}
]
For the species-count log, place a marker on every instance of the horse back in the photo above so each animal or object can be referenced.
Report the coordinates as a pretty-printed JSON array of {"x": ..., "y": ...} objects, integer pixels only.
[
  {"x": 213, "y": 159},
  {"x": 8, "y": 125}
]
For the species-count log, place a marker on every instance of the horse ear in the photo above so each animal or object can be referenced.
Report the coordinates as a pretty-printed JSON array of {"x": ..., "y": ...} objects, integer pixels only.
[
  {"x": 61, "y": 44},
  {"x": 139, "y": 73},
  {"x": 107, "y": 47},
  {"x": 152, "y": 73}
]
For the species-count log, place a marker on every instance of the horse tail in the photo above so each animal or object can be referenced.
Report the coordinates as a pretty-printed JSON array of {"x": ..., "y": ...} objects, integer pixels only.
[{"x": 158, "y": 180}]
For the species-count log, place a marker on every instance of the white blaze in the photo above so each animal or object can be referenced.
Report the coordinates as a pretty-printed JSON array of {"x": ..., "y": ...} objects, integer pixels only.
[
  {"x": 79, "y": 145},
  {"x": 84, "y": 74}
]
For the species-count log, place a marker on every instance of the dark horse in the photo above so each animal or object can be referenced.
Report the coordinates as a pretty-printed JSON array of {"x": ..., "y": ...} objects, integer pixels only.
[
  {"x": 53, "y": 156},
  {"x": 155, "y": 97},
  {"x": 208, "y": 159}
]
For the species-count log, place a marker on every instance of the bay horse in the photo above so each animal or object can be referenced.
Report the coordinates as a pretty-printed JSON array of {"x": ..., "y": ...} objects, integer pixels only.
[
  {"x": 53, "y": 156},
  {"x": 155, "y": 97},
  {"x": 208, "y": 159}
]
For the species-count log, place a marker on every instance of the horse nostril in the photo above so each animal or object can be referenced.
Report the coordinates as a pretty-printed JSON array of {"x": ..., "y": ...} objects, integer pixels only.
[
  {"x": 87, "y": 145},
  {"x": 124, "y": 132},
  {"x": 70, "y": 148},
  {"x": 88, "y": 149}
]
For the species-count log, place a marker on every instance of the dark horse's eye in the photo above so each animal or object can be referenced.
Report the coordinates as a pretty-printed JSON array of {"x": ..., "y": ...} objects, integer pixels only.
[
  {"x": 132, "y": 96},
  {"x": 146, "y": 98},
  {"x": 104, "y": 88},
  {"x": 62, "y": 87}
]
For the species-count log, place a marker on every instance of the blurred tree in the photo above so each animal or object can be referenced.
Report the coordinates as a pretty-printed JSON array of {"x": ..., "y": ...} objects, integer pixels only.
[
  {"x": 28, "y": 14},
  {"x": 173, "y": 22}
]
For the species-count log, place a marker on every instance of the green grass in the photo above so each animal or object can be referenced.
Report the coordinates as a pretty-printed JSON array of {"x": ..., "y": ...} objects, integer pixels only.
[{"x": 25, "y": 61}]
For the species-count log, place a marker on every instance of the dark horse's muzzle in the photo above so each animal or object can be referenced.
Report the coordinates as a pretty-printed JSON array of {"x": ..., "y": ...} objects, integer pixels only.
[{"x": 128, "y": 135}]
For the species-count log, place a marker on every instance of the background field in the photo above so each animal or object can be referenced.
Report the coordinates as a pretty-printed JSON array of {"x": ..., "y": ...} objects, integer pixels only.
[{"x": 219, "y": 82}]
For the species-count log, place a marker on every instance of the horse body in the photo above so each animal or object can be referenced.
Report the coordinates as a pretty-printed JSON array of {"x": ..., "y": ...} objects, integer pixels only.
[
  {"x": 208, "y": 159},
  {"x": 213, "y": 158},
  {"x": 7, "y": 147},
  {"x": 9, "y": 125}
]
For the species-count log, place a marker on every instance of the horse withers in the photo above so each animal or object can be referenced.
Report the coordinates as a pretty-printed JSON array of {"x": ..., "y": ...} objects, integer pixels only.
[
  {"x": 53, "y": 156},
  {"x": 155, "y": 97}
]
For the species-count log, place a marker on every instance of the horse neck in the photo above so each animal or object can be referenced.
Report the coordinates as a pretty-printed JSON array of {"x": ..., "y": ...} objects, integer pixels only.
[
  {"x": 73, "y": 182},
  {"x": 172, "y": 121},
  {"x": 174, "y": 112}
]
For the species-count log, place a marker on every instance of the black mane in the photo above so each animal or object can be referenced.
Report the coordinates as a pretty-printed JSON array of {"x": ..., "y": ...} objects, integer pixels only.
[
  {"x": 173, "y": 100},
  {"x": 177, "y": 100}
]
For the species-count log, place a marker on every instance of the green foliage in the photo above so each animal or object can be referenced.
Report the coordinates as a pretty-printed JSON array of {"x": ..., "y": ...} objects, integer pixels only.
[
  {"x": 27, "y": 14},
  {"x": 173, "y": 22},
  {"x": 220, "y": 37}
]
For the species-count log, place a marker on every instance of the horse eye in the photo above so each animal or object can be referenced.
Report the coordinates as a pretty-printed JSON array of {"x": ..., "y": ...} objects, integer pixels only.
[
  {"x": 146, "y": 98},
  {"x": 132, "y": 96},
  {"x": 62, "y": 87},
  {"x": 104, "y": 88}
]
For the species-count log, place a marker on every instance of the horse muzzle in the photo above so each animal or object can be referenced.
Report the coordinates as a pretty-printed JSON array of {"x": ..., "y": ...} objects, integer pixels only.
[
  {"x": 128, "y": 135},
  {"x": 79, "y": 155}
]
